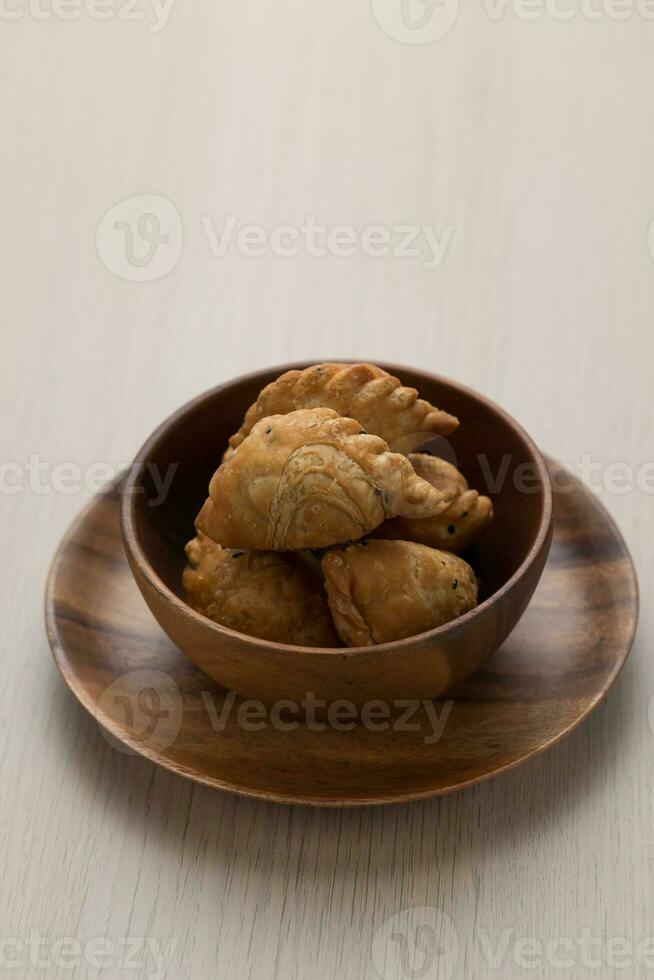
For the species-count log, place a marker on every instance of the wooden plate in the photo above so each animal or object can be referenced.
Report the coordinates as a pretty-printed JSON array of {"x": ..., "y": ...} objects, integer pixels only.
[{"x": 552, "y": 671}]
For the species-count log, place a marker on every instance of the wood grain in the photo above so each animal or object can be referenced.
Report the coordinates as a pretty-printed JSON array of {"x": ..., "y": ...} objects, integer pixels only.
[
  {"x": 534, "y": 139},
  {"x": 550, "y": 673}
]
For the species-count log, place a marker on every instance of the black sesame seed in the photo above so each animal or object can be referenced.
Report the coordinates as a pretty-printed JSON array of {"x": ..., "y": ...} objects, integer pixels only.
[
  {"x": 268, "y": 430},
  {"x": 378, "y": 491},
  {"x": 455, "y": 583},
  {"x": 237, "y": 554},
  {"x": 451, "y": 529}
]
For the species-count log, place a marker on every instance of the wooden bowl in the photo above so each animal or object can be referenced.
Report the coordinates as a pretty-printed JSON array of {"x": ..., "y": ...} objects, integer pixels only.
[{"x": 492, "y": 450}]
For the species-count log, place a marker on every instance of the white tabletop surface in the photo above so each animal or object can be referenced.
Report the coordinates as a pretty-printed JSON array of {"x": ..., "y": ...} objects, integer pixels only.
[{"x": 523, "y": 139}]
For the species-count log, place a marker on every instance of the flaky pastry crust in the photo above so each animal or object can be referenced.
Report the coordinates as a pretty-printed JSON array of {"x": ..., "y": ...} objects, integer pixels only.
[
  {"x": 455, "y": 527},
  {"x": 310, "y": 479},
  {"x": 364, "y": 392},
  {"x": 263, "y": 594},
  {"x": 380, "y": 591}
]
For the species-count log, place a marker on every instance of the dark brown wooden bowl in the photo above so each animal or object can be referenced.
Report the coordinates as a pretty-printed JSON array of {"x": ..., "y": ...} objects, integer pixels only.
[{"x": 492, "y": 450}]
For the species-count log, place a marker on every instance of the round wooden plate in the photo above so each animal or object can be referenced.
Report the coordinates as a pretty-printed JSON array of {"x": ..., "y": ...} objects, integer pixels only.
[{"x": 552, "y": 671}]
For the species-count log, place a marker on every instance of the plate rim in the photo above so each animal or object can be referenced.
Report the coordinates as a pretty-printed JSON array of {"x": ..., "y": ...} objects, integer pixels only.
[{"x": 79, "y": 691}]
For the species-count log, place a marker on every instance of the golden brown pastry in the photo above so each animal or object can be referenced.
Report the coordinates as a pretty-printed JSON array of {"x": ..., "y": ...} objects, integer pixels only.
[
  {"x": 381, "y": 591},
  {"x": 454, "y": 528},
  {"x": 310, "y": 479},
  {"x": 441, "y": 474},
  {"x": 263, "y": 594},
  {"x": 358, "y": 391}
]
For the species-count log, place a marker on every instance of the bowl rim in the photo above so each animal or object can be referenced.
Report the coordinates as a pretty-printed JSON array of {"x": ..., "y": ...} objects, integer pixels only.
[{"x": 136, "y": 554}]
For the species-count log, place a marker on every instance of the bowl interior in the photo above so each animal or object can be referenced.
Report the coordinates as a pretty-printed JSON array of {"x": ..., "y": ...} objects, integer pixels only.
[{"x": 492, "y": 452}]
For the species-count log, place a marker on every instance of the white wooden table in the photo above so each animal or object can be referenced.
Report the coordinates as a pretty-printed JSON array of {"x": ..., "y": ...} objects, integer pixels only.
[{"x": 527, "y": 148}]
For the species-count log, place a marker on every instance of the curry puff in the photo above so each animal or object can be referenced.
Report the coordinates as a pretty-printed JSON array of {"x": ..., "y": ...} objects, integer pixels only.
[
  {"x": 454, "y": 528},
  {"x": 364, "y": 392},
  {"x": 264, "y": 594},
  {"x": 380, "y": 591},
  {"x": 310, "y": 479}
]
